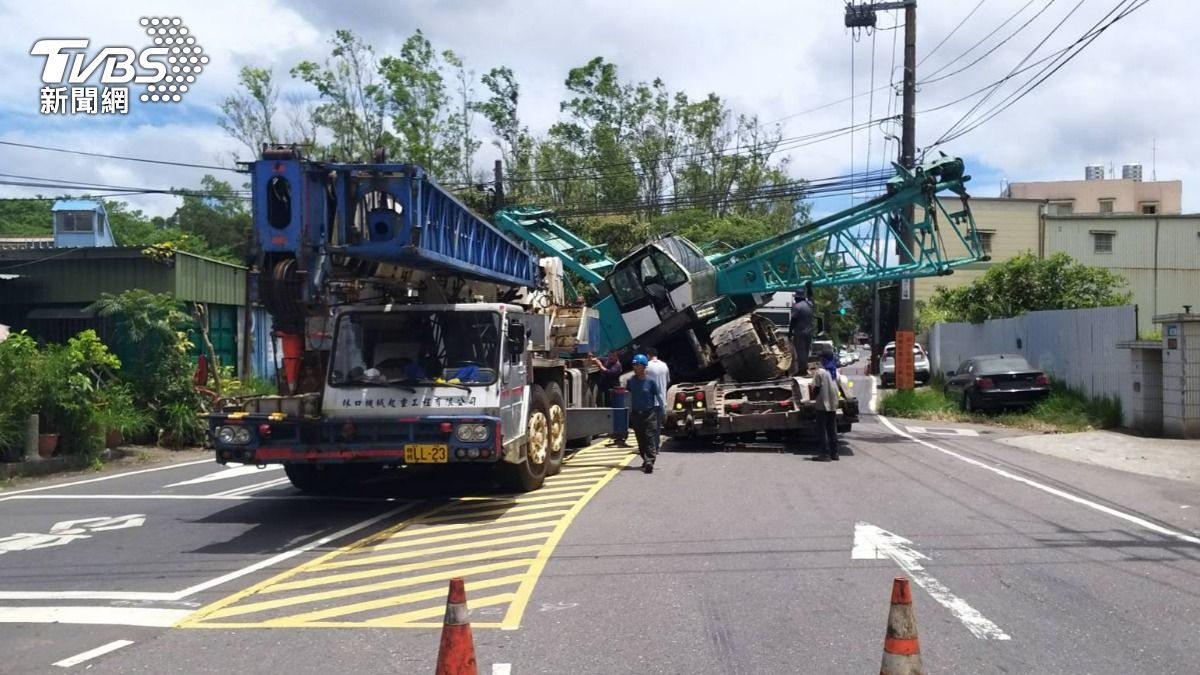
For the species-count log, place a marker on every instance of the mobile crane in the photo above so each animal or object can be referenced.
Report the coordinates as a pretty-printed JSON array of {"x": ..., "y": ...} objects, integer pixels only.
[
  {"x": 415, "y": 334},
  {"x": 699, "y": 309}
]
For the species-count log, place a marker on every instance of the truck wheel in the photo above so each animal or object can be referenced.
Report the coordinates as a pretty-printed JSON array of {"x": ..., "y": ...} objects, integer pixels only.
[
  {"x": 557, "y": 416},
  {"x": 313, "y": 478},
  {"x": 530, "y": 473}
]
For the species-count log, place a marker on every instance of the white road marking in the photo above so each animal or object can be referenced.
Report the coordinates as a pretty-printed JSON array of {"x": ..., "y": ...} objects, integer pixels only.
[
  {"x": 1140, "y": 522},
  {"x": 93, "y": 653},
  {"x": 107, "y": 616},
  {"x": 67, "y": 531},
  {"x": 873, "y": 543},
  {"x": 501, "y": 669},
  {"x": 227, "y": 473},
  {"x": 873, "y": 403},
  {"x": 942, "y": 431},
  {"x": 249, "y": 489},
  {"x": 10, "y": 495},
  {"x": 211, "y": 583}
]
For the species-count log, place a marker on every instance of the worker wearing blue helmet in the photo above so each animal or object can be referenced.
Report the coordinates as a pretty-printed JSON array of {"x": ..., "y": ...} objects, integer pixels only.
[{"x": 643, "y": 418}]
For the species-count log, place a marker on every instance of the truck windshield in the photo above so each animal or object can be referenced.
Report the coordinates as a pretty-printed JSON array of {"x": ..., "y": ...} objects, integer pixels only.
[{"x": 416, "y": 347}]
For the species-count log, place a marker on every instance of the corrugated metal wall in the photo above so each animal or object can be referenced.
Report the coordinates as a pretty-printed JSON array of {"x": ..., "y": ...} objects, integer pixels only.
[
  {"x": 265, "y": 350},
  {"x": 1162, "y": 278},
  {"x": 203, "y": 280},
  {"x": 1077, "y": 346}
]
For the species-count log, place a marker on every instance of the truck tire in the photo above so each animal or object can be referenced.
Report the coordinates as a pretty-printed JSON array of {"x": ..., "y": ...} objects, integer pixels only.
[
  {"x": 530, "y": 473},
  {"x": 744, "y": 353},
  {"x": 557, "y": 414},
  {"x": 313, "y": 478}
]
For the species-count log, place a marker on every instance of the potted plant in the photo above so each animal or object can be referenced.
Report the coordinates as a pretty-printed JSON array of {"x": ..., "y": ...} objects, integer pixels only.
[{"x": 119, "y": 418}]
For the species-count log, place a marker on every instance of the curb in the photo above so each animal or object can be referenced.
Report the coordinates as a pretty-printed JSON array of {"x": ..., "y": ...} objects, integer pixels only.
[{"x": 50, "y": 465}]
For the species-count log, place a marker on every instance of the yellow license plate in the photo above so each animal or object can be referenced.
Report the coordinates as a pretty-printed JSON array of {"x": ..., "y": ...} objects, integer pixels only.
[{"x": 426, "y": 453}]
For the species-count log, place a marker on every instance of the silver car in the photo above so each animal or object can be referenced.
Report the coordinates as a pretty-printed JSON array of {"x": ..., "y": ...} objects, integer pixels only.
[{"x": 887, "y": 365}]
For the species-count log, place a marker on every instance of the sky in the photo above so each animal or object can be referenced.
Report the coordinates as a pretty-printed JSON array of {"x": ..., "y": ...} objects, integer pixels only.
[{"x": 1123, "y": 99}]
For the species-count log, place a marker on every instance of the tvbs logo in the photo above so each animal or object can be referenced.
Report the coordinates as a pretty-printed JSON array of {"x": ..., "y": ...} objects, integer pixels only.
[{"x": 168, "y": 68}]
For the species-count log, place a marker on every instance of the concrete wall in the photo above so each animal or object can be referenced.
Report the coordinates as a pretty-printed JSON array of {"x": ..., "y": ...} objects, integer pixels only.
[
  {"x": 1158, "y": 257},
  {"x": 1127, "y": 195},
  {"x": 1014, "y": 225},
  {"x": 1076, "y": 346},
  {"x": 1181, "y": 375}
]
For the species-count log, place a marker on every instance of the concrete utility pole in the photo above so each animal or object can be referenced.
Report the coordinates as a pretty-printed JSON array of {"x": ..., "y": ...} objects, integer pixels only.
[{"x": 863, "y": 16}]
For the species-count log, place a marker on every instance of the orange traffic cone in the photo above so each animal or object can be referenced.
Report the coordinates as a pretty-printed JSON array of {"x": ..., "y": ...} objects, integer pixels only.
[
  {"x": 456, "y": 656},
  {"x": 901, "y": 649}
]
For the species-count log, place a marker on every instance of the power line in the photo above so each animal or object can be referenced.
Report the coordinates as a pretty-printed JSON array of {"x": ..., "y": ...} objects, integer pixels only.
[
  {"x": 120, "y": 157},
  {"x": 951, "y": 33},
  {"x": 1030, "y": 85},
  {"x": 931, "y": 79}
]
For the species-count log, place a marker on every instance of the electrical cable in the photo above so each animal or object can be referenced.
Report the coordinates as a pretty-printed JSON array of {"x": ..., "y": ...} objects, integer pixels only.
[{"x": 120, "y": 157}]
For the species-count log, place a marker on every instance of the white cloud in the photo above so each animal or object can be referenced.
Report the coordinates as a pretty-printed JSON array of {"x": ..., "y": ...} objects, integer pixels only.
[{"x": 1126, "y": 93}]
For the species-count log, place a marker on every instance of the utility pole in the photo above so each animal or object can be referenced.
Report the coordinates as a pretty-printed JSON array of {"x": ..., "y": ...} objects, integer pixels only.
[
  {"x": 863, "y": 16},
  {"x": 498, "y": 177}
]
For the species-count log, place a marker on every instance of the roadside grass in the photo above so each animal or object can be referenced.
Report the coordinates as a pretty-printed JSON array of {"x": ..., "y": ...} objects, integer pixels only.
[{"x": 1065, "y": 410}]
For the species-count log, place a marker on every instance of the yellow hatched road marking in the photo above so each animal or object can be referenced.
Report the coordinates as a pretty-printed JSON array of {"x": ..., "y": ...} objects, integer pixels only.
[
  {"x": 400, "y": 619},
  {"x": 438, "y": 593},
  {"x": 409, "y": 555},
  {"x": 441, "y": 576},
  {"x": 478, "y": 511},
  {"x": 539, "y": 497},
  {"x": 404, "y": 543},
  {"x": 398, "y": 569},
  {"x": 524, "y": 517},
  {"x": 541, "y": 517}
]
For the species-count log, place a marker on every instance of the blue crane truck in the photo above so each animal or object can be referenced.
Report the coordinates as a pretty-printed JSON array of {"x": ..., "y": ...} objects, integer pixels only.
[{"x": 415, "y": 334}]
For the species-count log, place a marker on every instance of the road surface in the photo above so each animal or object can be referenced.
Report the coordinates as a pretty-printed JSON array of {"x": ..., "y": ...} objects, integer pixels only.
[{"x": 756, "y": 561}]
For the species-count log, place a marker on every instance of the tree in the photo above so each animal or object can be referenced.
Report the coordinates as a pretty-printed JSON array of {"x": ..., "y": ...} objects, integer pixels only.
[
  {"x": 430, "y": 130},
  {"x": 1027, "y": 283},
  {"x": 512, "y": 139},
  {"x": 352, "y": 108},
  {"x": 220, "y": 218},
  {"x": 249, "y": 115}
]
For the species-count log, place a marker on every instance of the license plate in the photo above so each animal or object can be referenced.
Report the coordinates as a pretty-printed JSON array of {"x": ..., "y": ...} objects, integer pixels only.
[{"x": 426, "y": 453}]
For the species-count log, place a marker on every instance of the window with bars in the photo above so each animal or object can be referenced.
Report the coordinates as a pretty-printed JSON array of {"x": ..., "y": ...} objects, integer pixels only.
[
  {"x": 1102, "y": 242},
  {"x": 985, "y": 242},
  {"x": 1106, "y": 206},
  {"x": 1149, "y": 208}
]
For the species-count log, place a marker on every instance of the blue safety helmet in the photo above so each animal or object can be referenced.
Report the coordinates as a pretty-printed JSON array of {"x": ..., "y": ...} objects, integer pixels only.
[{"x": 640, "y": 360}]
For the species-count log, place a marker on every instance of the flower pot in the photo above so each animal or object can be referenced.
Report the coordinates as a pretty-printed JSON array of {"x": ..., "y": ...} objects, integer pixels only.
[
  {"x": 47, "y": 444},
  {"x": 113, "y": 439}
]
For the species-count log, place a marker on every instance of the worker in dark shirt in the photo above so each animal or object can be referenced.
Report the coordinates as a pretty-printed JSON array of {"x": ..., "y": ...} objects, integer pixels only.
[
  {"x": 643, "y": 393},
  {"x": 610, "y": 378},
  {"x": 800, "y": 331}
]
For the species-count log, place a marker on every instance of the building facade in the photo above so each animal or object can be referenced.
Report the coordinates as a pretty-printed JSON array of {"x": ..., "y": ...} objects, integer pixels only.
[
  {"x": 1095, "y": 195},
  {"x": 1159, "y": 256},
  {"x": 1007, "y": 227}
]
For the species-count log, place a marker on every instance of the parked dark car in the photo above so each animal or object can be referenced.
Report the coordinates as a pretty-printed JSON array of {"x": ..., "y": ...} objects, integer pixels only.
[{"x": 996, "y": 381}]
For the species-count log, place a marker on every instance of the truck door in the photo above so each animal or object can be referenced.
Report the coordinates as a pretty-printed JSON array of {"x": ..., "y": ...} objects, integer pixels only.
[{"x": 513, "y": 378}]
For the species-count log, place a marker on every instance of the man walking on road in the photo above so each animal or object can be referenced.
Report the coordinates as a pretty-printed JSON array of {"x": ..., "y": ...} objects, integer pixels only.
[
  {"x": 644, "y": 399},
  {"x": 827, "y": 404},
  {"x": 661, "y": 374}
]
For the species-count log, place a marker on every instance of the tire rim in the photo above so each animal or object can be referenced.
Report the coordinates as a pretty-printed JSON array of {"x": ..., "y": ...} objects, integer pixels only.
[
  {"x": 558, "y": 426},
  {"x": 538, "y": 437}
]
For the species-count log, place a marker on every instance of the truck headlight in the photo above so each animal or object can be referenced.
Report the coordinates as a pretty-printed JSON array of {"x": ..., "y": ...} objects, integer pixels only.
[
  {"x": 471, "y": 433},
  {"x": 230, "y": 435}
]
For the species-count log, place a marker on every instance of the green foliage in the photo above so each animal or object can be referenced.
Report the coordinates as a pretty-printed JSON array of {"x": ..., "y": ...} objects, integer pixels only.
[
  {"x": 1027, "y": 283},
  {"x": 217, "y": 225},
  {"x": 249, "y": 115},
  {"x": 25, "y": 217},
  {"x": 116, "y": 410},
  {"x": 181, "y": 425},
  {"x": 161, "y": 379},
  {"x": 352, "y": 106},
  {"x": 1066, "y": 409}
]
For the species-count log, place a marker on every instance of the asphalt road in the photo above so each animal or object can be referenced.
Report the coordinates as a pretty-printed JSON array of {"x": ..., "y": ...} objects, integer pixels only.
[{"x": 719, "y": 562}]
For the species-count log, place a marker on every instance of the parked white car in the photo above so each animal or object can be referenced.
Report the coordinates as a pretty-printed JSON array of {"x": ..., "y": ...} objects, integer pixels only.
[{"x": 887, "y": 365}]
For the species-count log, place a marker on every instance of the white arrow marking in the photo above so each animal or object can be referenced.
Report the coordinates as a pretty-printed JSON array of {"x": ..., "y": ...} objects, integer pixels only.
[
  {"x": 873, "y": 543},
  {"x": 226, "y": 473}
]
